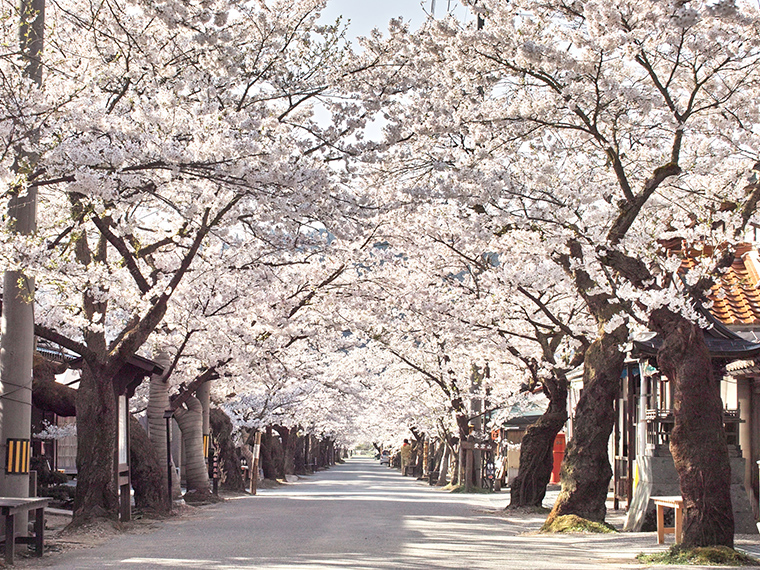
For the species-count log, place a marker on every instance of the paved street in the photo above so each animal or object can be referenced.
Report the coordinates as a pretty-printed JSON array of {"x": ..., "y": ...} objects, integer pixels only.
[{"x": 358, "y": 516}]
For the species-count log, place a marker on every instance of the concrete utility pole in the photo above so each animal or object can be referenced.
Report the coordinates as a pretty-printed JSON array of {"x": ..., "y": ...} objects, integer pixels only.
[
  {"x": 17, "y": 321},
  {"x": 203, "y": 393}
]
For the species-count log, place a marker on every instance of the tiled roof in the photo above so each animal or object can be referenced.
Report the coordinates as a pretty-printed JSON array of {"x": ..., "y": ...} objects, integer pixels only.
[{"x": 736, "y": 299}]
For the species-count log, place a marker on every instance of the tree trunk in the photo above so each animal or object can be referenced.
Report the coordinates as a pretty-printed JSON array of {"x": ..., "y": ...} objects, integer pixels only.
[
  {"x": 267, "y": 460},
  {"x": 443, "y": 470},
  {"x": 308, "y": 452},
  {"x": 537, "y": 449},
  {"x": 96, "y": 495},
  {"x": 454, "y": 459},
  {"x": 698, "y": 441},
  {"x": 49, "y": 395},
  {"x": 190, "y": 420},
  {"x": 316, "y": 453},
  {"x": 299, "y": 455},
  {"x": 436, "y": 455},
  {"x": 158, "y": 403},
  {"x": 229, "y": 456},
  {"x": 148, "y": 479},
  {"x": 289, "y": 441},
  {"x": 586, "y": 470},
  {"x": 463, "y": 424}
]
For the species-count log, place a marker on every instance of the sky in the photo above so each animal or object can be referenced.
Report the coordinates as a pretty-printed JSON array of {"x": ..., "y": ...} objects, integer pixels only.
[{"x": 368, "y": 14}]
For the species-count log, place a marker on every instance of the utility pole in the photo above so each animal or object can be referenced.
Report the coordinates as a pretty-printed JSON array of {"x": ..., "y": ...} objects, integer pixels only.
[
  {"x": 203, "y": 393},
  {"x": 17, "y": 320}
]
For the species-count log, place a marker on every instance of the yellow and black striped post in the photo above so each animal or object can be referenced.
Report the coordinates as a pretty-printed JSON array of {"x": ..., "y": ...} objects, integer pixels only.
[
  {"x": 205, "y": 446},
  {"x": 17, "y": 456}
]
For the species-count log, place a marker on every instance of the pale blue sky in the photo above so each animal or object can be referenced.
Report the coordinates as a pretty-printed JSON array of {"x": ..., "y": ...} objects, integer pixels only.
[{"x": 368, "y": 14}]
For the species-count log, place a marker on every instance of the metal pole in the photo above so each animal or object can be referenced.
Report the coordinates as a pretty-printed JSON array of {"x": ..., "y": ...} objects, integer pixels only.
[
  {"x": 255, "y": 468},
  {"x": 168, "y": 415}
]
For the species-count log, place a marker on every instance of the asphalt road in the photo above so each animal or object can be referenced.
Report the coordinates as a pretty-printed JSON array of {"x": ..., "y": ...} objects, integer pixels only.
[{"x": 359, "y": 516}]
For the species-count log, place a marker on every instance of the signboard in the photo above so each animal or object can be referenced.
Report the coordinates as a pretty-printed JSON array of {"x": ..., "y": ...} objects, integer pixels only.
[{"x": 122, "y": 438}]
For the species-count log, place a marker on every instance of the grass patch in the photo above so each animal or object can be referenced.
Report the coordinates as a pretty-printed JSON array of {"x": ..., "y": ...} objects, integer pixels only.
[
  {"x": 574, "y": 523},
  {"x": 704, "y": 555},
  {"x": 460, "y": 489}
]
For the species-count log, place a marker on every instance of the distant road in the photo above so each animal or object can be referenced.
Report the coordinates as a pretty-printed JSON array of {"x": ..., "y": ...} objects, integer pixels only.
[{"x": 357, "y": 516}]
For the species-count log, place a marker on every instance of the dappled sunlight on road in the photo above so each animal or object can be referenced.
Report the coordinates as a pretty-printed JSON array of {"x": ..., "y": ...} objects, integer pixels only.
[
  {"x": 171, "y": 562},
  {"x": 364, "y": 517}
]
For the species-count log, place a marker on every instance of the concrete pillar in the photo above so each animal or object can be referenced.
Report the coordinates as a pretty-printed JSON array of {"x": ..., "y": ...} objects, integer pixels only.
[
  {"x": 203, "y": 395},
  {"x": 744, "y": 399}
]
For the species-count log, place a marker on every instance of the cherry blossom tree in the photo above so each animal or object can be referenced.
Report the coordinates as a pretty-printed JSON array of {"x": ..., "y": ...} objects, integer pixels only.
[
  {"x": 162, "y": 126},
  {"x": 540, "y": 328},
  {"x": 605, "y": 128}
]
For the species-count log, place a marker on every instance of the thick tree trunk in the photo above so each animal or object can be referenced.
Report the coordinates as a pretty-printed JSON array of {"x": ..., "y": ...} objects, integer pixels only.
[
  {"x": 299, "y": 455},
  {"x": 586, "y": 470},
  {"x": 537, "y": 450},
  {"x": 158, "y": 403},
  {"x": 291, "y": 449},
  {"x": 96, "y": 495},
  {"x": 190, "y": 420},
  {"x": 289, "y": 441},
  {"x": 49, "y": 395},
  {"x": 229, "y": 456},
  {"x": 698, "y": 441},
  {"x": 148, "y": 479},
  {"x": 318, "y": 453},
  {"x": 332, "y": 455},
  {"x": 267, "y": 457}
]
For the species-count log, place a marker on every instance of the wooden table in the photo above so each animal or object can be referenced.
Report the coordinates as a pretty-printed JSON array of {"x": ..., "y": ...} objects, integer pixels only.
[
  {"x": 675, "y": 503},
  {"x": 9, "y": 508}
]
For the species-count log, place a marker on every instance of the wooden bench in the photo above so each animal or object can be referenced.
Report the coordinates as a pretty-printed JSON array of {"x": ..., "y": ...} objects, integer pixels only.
[
  {"x": 9, "y": 508},
  {"x": 675, "y": 503}
]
